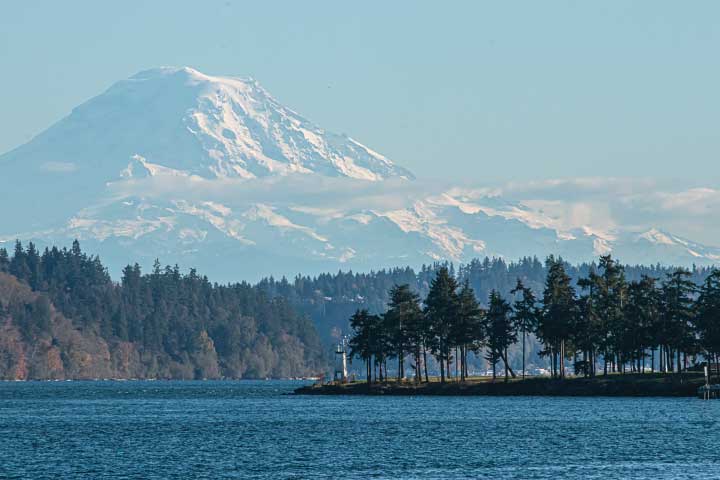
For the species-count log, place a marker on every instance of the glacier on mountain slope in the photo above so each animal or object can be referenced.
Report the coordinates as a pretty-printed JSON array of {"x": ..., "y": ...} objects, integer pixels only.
[{"x": 214, "y": 173}]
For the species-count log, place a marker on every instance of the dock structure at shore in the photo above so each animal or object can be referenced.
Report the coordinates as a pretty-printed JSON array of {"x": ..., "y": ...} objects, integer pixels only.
[{"x": 708, "y": 392}]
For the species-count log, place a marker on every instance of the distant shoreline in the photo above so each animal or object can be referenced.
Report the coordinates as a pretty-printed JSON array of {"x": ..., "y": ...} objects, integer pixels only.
[
  {"x": 616, "y": 385},
  {"x": 209, "y": 380}
]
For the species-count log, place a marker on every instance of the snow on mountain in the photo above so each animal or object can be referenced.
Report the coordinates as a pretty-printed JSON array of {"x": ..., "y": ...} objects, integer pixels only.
[
  {"x": 214, "y": 127},
  {"x": 214, "y": 173}
]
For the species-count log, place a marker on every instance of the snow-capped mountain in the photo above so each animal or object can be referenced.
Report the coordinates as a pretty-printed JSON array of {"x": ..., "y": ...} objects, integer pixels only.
[
  {"x": 214, "y": 173},
  {"x": 213, "y": 127}
]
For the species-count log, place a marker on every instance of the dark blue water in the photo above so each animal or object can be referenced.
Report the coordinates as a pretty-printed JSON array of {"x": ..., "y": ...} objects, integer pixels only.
[{"x": 253, "y": 430}]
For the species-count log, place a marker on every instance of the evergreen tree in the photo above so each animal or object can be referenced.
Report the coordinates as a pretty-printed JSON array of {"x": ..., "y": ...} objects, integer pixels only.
[
  {"x": 32, "y": 260},
  {"x": 524, "y": 314},
  {"x": 500, "y": 332},
  {"x": 557, "y": 314},
  {"x": 4, "y": 261},
  {"x": 588, "y": 333},
  {"x": 362, "y": 342},
  {"x": 677, "y": 306},
  {"x": 18, "y": 263},
  {"x": 708, "y": 318},
  {"x": 611, "y": 289},
  {"x": 406, "y": 326},
  {"x": 642, "y": 315},
  {"x": 468, "y": 330},
  {"x": 441, "y": 310}
]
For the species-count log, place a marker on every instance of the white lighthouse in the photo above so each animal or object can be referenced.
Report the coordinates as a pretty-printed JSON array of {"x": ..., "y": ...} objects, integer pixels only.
[{"x": 340, "y": 374}]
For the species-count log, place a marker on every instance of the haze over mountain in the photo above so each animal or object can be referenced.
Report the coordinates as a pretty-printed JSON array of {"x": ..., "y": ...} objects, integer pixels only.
[{"x": 214, "y": 173}]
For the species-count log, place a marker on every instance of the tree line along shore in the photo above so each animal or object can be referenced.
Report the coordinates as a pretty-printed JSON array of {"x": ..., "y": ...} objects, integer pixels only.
[
  {"x": 63, "y": 317},
  {"x": 599, "y": 326}
]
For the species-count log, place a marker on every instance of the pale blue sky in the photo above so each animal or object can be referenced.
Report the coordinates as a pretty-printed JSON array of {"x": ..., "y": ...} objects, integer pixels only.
[{"x": 457, "y": 90}]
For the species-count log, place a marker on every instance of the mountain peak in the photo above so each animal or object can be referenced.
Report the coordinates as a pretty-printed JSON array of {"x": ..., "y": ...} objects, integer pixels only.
[
  {"x": 189, "y": 74},
  {"x": 210, "y": 126}
]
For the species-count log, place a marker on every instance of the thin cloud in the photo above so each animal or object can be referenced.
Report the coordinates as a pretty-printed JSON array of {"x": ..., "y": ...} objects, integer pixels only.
[{"x": 597, "y": 203}]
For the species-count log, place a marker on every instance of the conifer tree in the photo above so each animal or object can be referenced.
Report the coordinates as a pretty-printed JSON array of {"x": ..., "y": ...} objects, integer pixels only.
[
  {"x": 18, "y": 263},
  {"x": 500, "y": 332},
  {"x": 708, "y": 318},
  {"x": 407, "y": 326},
  {"x": 468, "y": 332},
  {"x": 524, "y": 314},
  {"x": 642, "y": 313},
  {"x": 611, "y": 298},
  {"x": 557, "y": 314},
  {"x": 361, "y": 341},
  {"x": 441, "y": 310},
  {"x": 588, "y": 333},
  {"x": 677, "y": 306},
  {"x": 4, "y": 260}
]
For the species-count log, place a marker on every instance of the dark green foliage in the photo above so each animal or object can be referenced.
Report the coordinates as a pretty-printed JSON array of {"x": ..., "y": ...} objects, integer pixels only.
[
  {"x": 367, "y": 338},
  {"x": 641, "y": 320},
  {"x": 406, "y": 326},
  {"x": 499, "y": 330},
  {"x": 33, "y": 319},
  {"x": 168, "y": 313},
  {"x": 468, "y": 329},
  {"x": 558, "y": 314},
  {"x": 330, "y": 299},
  {"x": 678, "y": 293},
  {"x": 4, "y": 261},
  {"x": 616, "y": 322},
  {"x": 441, "y": 306},
  {"x": 708, "y": 316},
  {"x": 525, "y": 314}
]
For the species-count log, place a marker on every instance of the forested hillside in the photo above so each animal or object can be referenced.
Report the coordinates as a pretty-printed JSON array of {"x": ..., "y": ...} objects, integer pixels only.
[
  {"x": 61, "y": 316},
  {"x": 331, "y": 299}
]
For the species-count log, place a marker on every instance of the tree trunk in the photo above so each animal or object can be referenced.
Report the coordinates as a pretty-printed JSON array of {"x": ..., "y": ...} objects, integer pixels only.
[
  {"x": 508, "y": 368},
  {"x": 442, "y": 364},
  {"x": 427, "y": 379},
  {"x": 368, "y": 370},
  {"x": 418, "y": 376},
  {"x": 523, "y": 354},
  {"x": 465, "y": 363},
  {"x": 448, "y": 361},
  {"x": 506, "y": 365},
  {"x": 605, "y": 366},
  {"x": 652, "y": 360},
  {"x": 457, "y": 360},
  {"x": 401, "y": 366}
]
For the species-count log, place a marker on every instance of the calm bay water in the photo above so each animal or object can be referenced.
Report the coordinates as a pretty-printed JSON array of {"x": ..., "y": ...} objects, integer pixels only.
[{"x": 253, "y": 430}]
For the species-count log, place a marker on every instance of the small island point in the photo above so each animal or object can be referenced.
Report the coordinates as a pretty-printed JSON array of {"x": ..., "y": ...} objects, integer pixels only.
[{"x": 612, "y": 385}]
